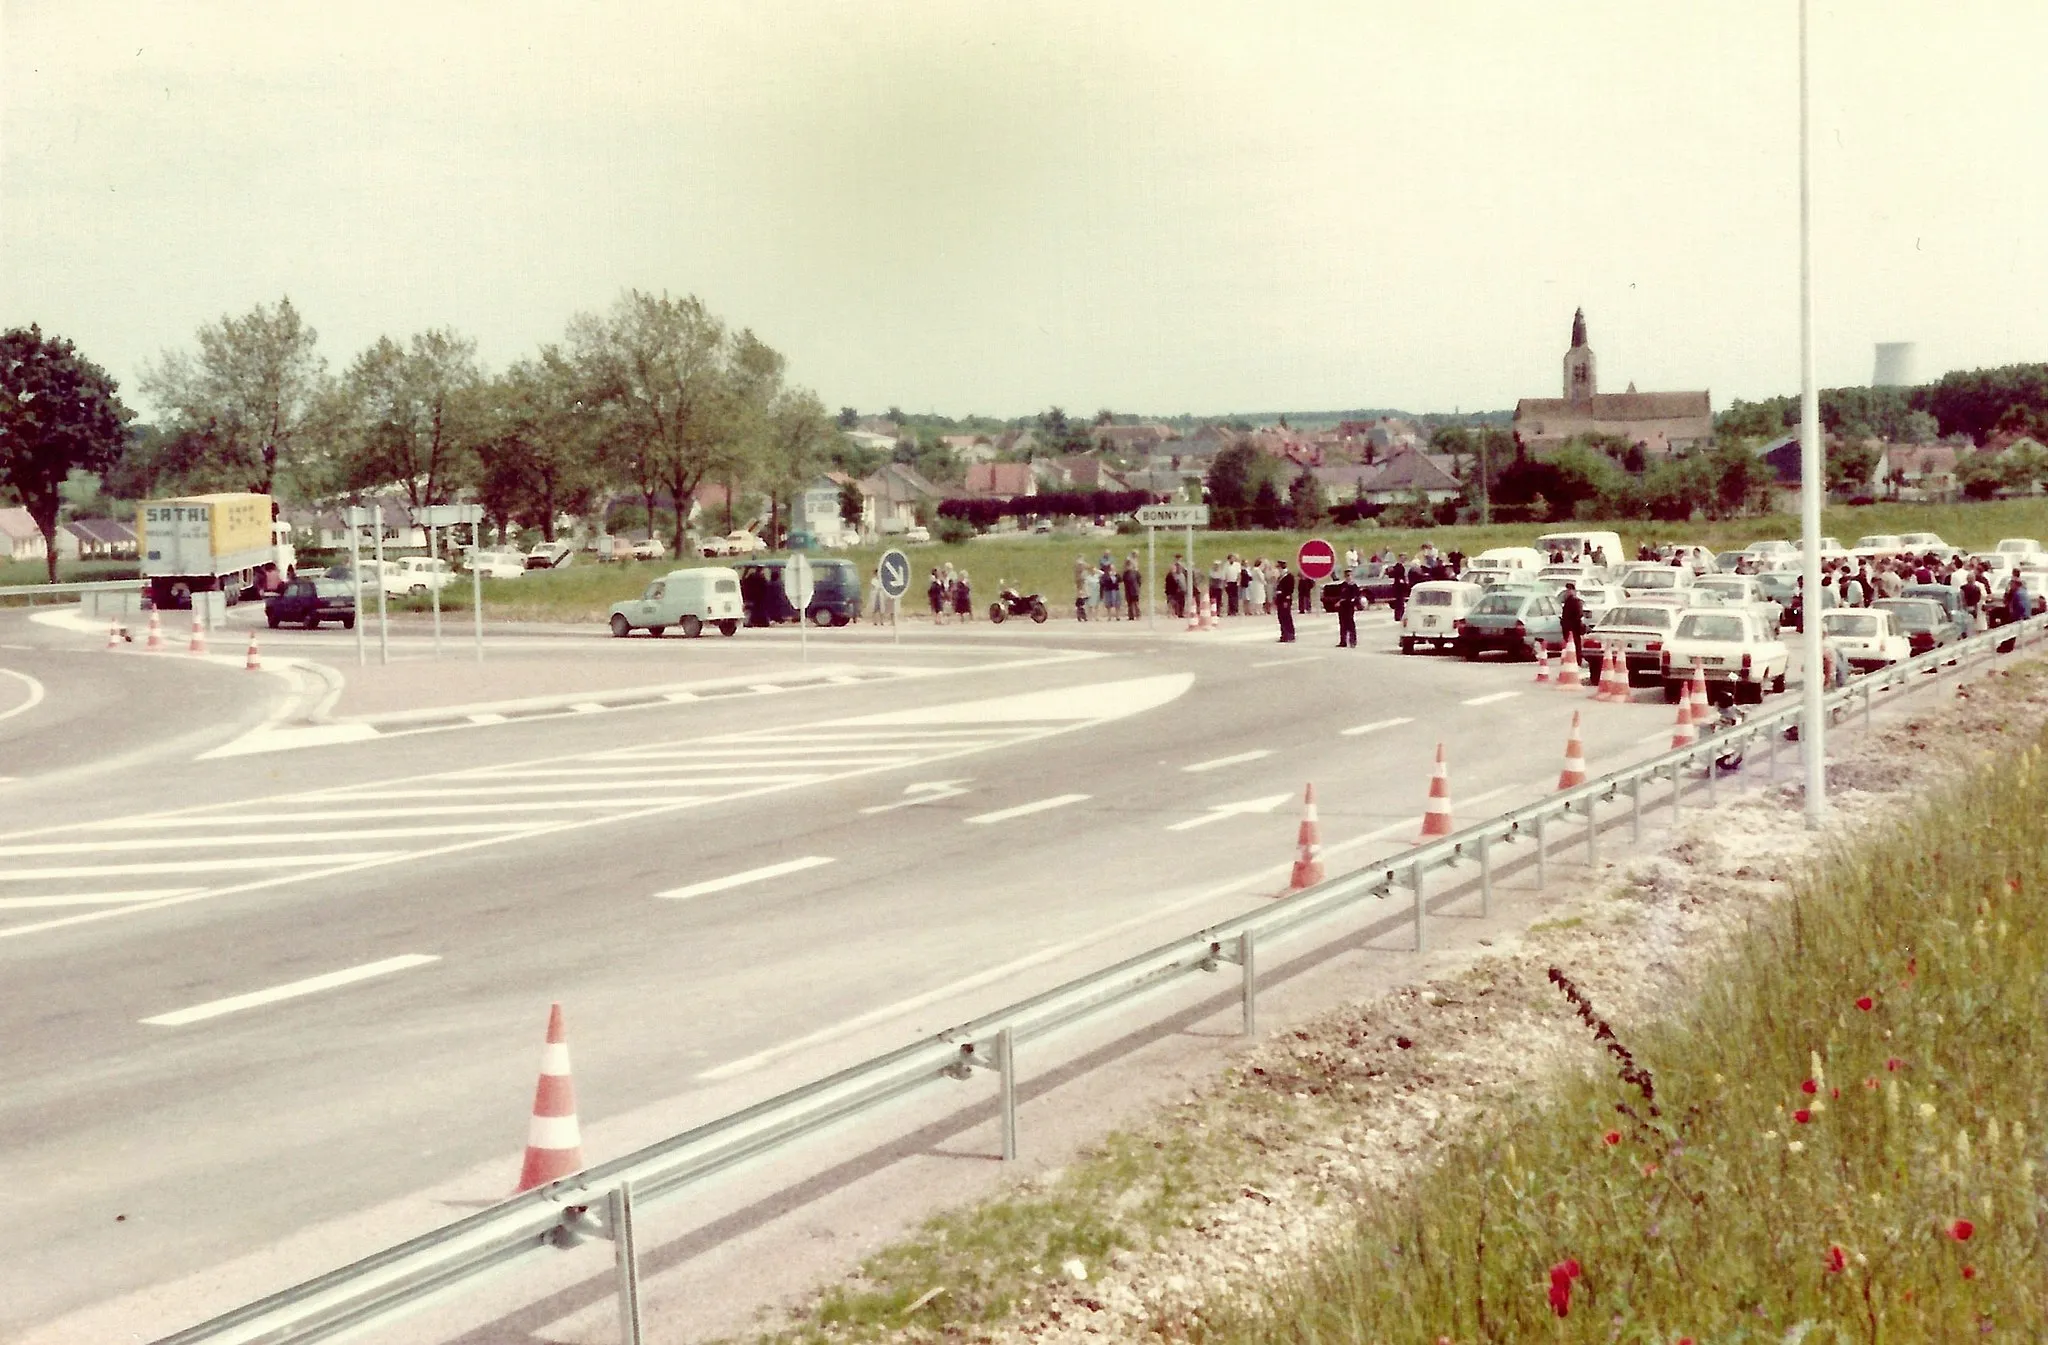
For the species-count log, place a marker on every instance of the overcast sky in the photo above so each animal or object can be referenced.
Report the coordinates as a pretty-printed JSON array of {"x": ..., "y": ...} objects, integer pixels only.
[{"x": 981, "y": 207}]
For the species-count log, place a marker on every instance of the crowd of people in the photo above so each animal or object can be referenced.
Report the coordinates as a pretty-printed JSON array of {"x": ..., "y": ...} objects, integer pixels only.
[
  {"x": 1986, "y": 598},
  {"x": 1102, "y": 592}
]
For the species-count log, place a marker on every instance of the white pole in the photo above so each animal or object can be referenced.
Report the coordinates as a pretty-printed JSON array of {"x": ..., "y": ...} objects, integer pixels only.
[
  {"x": 476, "y": 582},
  {"x": 355, "y": 569},
  {"x": 1194, "y": 575},
  {"x": 1812, "y": 460},
  {"x": 383, "y": 603},
  {"x": 434, "y": 583},
  {"x": 1151, "y": 578}
]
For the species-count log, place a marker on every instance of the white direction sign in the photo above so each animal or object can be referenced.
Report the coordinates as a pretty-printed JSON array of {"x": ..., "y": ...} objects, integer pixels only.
[
  {"x": 894, "y": 574},
  {"x": 798, "y": 582},
  {"x": 448, "y": 515},
  {"x": 1173, "y": 516}
]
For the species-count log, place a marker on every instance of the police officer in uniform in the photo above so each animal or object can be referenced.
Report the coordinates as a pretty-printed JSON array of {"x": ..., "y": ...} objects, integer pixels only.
[
  {"x": 1347, "y": 612},
  {"x": 1283, "y": 603}
]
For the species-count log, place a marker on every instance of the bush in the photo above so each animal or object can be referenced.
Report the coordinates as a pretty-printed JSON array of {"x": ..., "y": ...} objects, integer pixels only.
[{"x": 953, "y": 531}]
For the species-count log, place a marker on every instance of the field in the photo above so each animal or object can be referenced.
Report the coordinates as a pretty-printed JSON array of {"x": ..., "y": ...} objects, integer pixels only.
[{"x": 586, "y": 589}]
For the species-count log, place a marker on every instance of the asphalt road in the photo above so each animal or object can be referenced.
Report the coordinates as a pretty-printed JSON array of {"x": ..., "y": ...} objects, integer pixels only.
[{"x": 729, "y": 894}]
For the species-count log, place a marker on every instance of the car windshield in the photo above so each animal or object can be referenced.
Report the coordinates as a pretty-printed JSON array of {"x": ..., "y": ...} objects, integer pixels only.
[
  {"x": 334, "y": 588},
  {"x": 1913, "y": 615},
  {"x": 1657, "y": 618},
  {"x": 1651, "y": 579},
  {"x": 1849, "y": 623},
  {"x": 1732, "y": 588},
  {"x": 1500, "y": 604},
  {"x": 1709, "y": 626},
  {"x": 1432, "y": 597}
]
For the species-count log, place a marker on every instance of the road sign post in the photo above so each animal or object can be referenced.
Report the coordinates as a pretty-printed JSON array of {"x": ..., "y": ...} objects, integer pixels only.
[
  {"x": 355, "y": 573},
  {"x": 798, "y": 584},
  {"x": 892, "y": 572},
  {"x": 433, "y": 518},
  {"x": 1156, "y": 516}
]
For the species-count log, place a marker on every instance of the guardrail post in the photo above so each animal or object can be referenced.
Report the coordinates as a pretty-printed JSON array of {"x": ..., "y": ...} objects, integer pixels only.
[
  {"x": 1866, "y": 706},
  {"x": 1677, "y": 790},
  {"x": 1542, "y": 855},
  {"x": 1592, "y": 835},
  {"x": 1421, "y": 910},
  {"x": 627, "y": 1259},
  {"x": 1635, "y": 807},
  {"x": 1247, "y": 958},
  {"x": 1485, "y": 877},
  {"x": 1774, "y": 735},
  {"x": 1712, "y": 757},
  {"x": 1006, "y": 1067}
]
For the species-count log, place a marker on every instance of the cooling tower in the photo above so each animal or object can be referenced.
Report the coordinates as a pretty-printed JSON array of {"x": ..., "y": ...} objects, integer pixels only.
[{"x": 1898, "y": 365}]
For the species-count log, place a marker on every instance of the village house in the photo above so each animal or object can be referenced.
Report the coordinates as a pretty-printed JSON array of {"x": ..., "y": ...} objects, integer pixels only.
[
  {"x": 898, "y": 494},
  {"x": 95, "y": 539},
  {"x": 1409, "y": 470},
  {"x": 1917, "y": 471},
  {"x": 1000, "y": 480},
  {"x": 1130, "y": 439},
  {"x": 20, "y": 538}
]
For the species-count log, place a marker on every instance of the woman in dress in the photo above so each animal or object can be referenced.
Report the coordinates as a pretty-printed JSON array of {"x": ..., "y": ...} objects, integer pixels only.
[
  {"x": 963, "y": 597},
  {"x": 1255, "y": 587}
]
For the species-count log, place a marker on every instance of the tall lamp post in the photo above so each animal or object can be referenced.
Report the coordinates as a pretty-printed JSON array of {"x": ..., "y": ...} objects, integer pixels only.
[{"x": 1812, "y": 480}]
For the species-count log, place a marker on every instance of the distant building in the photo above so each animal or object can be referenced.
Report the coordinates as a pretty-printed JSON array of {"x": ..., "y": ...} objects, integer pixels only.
[
  {"x": 95, "y": 539},
  {"x": 1660, "y": 423},
  {"x": 1409, "y": 470},
  {"x": 20, "y": 538},
  {"x": 1001, "y": 480}
]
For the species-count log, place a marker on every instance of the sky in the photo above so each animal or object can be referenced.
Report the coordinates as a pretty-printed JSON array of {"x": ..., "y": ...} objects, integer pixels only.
[{"x": 967, "y": 207}]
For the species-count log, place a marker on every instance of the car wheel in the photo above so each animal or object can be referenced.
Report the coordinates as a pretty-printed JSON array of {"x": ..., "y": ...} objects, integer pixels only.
[
  {"x": 692, "y": 627},
  {"x": 821, "y": 617},
  {"x": 1749, "y": 693},
  {"x": 348, "y": 623},
  {"x": 275, "y": 620},
  {"x": 1469, "y": 652},
  {"x": 312, "y": 623},
  {"x": 1672, "y": 691},
  {"x": 1407, "y": 645},
  {"x": 728, "y": 627},
  {"x": 656, "y": 631},
  {"x": 621, "y": 627}
]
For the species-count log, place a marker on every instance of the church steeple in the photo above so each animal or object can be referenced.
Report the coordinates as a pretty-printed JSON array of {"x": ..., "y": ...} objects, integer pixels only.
[{"x": 1580, "y": 376}]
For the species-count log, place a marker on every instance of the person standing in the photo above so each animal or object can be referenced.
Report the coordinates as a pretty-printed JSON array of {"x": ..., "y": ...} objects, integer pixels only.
[
  {"x": 1347, "y": 612},
  {"x": 935, "y": 593},
  {"x": 963, "y": 597},
  {"x": 1081, "y": 573},
  {"x": 1111, "y": 589},
  {"x": 1283, "y": 597},
  {"x": 1572, "y": 620},
  {"x": 1255, "y": 588},
  {"x": 1304, "y": 590},
  {"x": 1133, "y": 579},
  {"x": 1176, "y": 588},
  {"x": 1215, "y": 588},
  {"x": 1398, "y": 598},
  {"x": 1972, "y": 599}
]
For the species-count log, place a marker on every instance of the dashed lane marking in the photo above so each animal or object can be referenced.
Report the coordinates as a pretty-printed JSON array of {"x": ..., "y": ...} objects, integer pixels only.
[
  {"x": 1219, "y": 811},
  {"x": 1376, "y": 726},
  {"x": 732, "y": 880},
  {"x": 291, "y": 990},
  {"x": 1220, "y": 762},
  {"x": 1489, "y": 700},
  {"x": 1027, "y": 809}
]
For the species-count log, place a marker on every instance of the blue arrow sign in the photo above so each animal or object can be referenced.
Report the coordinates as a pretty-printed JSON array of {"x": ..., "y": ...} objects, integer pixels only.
[{"x": 895, "y": 574}]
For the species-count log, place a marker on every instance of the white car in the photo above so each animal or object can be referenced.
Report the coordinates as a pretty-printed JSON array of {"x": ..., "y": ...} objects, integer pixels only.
[
  {"x": 1774, "y": 547},
  {"x": 649, "y": 548},
  {"x": 2018, "y": 546},
  {"x": 1657, "y": 579},
  {"x": 1730, "y": 647},
  {"x": 1919, "y": 543},
  {"x": 1742, "y": 590},
  {"x": 498, "y": 564},
  {"x": 739, "y": 543},
  {"x": 1865, "y": 637},
  {"x": 1436, "y": 613},
  {"x": 416, "y": 574},
  {"x": 550, "y": 555},
  {"x": 1635, "y": 633},
  {"x": 918, "y": 532},
  {"x": 1876, "y": 544}
]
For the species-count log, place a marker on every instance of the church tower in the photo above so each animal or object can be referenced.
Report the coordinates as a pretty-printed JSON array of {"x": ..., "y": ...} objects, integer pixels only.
[{"x": 1580, "y": 379}]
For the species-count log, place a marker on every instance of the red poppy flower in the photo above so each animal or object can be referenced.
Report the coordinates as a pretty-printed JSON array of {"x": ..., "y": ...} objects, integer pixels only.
[
  {"x": 1870, "y": 1083},
  {"x": 1969, "y": 1272},
  {"x": 1894, "y": 1064},
  {"x": 1865, "y": 1003},
  {"x": 1912, "y": 966},
  {"x": 1809, "y": 1086},
  {"x": 1961, "y": 1230},
  {"x": 1560, "y": 1291},
  {"x": 1802, "y": 1116},
  {"x": 1611, "y": 1137},
  {"x": 1835, "y": 1093},
  {"x": 1571, "y": 1267},
  {"x": 1835, "y": 1260}
]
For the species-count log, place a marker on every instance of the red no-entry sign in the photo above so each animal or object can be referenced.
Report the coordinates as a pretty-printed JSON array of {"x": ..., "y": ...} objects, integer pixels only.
[{"x": 1316, "y": 559}]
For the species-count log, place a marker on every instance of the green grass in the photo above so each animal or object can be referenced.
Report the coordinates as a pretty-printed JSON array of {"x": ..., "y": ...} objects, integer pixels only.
[{"x": 1714, "y": 1213}]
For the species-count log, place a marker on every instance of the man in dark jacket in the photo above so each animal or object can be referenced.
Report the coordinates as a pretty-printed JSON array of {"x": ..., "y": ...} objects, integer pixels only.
[
  {"x": 1572, "y": 617},
  {"x": 1133, "y": 581},
  {"x": 1346, "y": 607},
  {"x": 1283, "y": 602}
]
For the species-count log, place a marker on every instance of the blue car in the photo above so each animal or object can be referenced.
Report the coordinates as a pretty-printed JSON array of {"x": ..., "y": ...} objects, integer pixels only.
[{"x": 1512, "y": 620}]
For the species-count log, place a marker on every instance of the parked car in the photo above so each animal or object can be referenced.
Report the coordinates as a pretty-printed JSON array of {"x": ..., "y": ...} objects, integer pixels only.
[
  {"x": 1372, "y": 580},
  {"x": 497, "y": 564},
  {"x": 1734, "y": 562},
  {"x": 738, "y": 543},
  {"x": 2018, "y": 546},
  {"x": 1925, "y": 623},
  {"x": 1743, "y": 590},
  {"x": 690, "y": 599},
  {"x": 416, "y": 574},
  {"x": 1436, "y": 611},
  {"x": 1950, "y": 600},
  {"x": 1731, "y": 650},
  {"x": 550, "y": 555},
  {"x": 1875, "y": 544},
  {"x": 1634, "y": 633},
  {"x": 1920, "y": 543},
  {"x": 1512, "y": 620},
  {"x": 650, "y": 548},
  {"x": 1657, "y": 579},
  {"x": 308, "y": 602},
  {"x": 1688, "y": 556},
  {"x": 1866, "y": 637},
  {"x": 835, "y": 594},
  {"x": 918, "y": 532}
]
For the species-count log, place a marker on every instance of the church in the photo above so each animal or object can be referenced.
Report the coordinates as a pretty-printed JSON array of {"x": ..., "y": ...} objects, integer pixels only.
[{"x": 1660, "y": 423}]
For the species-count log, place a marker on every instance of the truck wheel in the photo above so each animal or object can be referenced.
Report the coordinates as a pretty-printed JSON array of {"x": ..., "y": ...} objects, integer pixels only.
[
  {"x": 996, "y": 614},
  {"x": 693, "y": 626},
  {"x": 621, "y": 627},
  {"x": 1407, "y": 645},
  {"x": 728, "y": 627}
]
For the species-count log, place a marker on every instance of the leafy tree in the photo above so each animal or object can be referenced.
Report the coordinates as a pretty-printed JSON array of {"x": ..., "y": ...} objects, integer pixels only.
[
  {"x": 1979, "y": 474},
  {"x": 2024, "y": 467},
  {"x": 243, "y": 401},
  {"x": 540, "y": 450},
  {"x": 1305, "y": 500},
  {"x": 794, "y": 438},
  {"x": 1266, "y": 509},
  {"x": 1973, "y": 402},
  {"x": 59, "y": 413},
  {"x": 1740, "y": 481},
  {"x": 416, "y": 415},
  {"x": 1849, "y": 465},
  {"x": 848, "y": 417},
  {"x": 1105, "y": 417},
  {"x": 853, "y": 505},
  {"x": 1919, "y": 428}
]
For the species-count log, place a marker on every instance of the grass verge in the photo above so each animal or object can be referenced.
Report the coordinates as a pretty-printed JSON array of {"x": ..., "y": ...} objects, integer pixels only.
[{"x": 1838, "y": 1141}]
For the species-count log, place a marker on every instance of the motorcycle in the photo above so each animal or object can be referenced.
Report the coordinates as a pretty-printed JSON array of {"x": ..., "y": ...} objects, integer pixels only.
[
  {"x": 1729, "y": 758},
  {"x": 1009, "y": 602}
]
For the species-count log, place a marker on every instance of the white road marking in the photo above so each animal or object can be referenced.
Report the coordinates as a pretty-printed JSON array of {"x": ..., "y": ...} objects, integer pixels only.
[
  {"x": 733, "y": 880},
  {"x": 1026, "y": 809},
  {"x": 1489, "y": 700},
  {"x": 193, "y": 866},
  {"x": 487, "y": 717},
  {"x": 1219, "y": 811},
  {"x": 678, "y": 697},
  {"x": 292, "y": 990},
  {"x": 930, "y": 791},
  {"x": 1287, "y": 662},
  {"x": 259, "y": 839},
  {"x": 91, "y": 898},
  {"x": 35, "y": 694},
  {"x": 470, "y": 787},
  {"x": 1376, "y": 726},
  {"x": 765, "y": 688},
  {"x": 349, "y": 814},
  {"x": 1221, "y": 762},
  {"x": 588, "y": 708}
]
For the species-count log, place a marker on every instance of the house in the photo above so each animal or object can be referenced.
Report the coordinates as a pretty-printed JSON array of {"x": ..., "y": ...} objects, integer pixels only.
[
  {"x": 870, "y": 440},
  {"x": 1918, "y": 471},
  {"x": 1408, "y": 470},
  {"x": 1080, "y": 472},
  {"x": 20, "y": 538},
  {"x": 1001, "y": 480},
  {"x": 816, "y": 508},
  {"x": 1661, "y": 423},
  {"x": 1341, "y": 483},
  {"x": 898, "y": 493},
  {"x": 327, "y": 529},
  {"x": 969, "y": 449},
  {"x": 1129, "y": 439},
  {"x": 95, "y": 539}
]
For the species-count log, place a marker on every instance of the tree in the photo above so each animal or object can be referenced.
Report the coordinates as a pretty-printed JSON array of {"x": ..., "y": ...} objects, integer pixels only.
[
  {"x": 1266, "y": 504},
  {"x": 796, "y": 437},
  {"x": 1305, "y": 500},
  {"x": 59, "y": 413},
  {"x": 853, "y": 506},
  {"x": 244, "y": 400},
  {"x": 415, "y": 415},
  {"x": 1849, "y": 465},
  {"x": 2024, "y": 466},
  {"x": 539, "y": 450},
  {"x": 1979, "y": 474},
  {"x": 848, "y": 417}
]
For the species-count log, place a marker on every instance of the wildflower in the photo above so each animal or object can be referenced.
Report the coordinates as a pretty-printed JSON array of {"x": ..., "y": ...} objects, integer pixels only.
[
  {"x": 1796, "y": 1147},
  {"x": 1561, "y": 1276},
  {"x": 1969, "y": 1272},
  {"x": 1961, "y": 1230},
  {"x": 1835, "y": 1260},
  {"x": 1991, "y": 1132},
  {"x": 1835, "y": 1093},
  {"x": 1802, "y": 1116},
  {"x": 1809, "y": 1086},
  {"x": 1649, "y": 1169},
  {"x": 1871, "y": 1084},
  {"x": 1893, "y": 1063},
  {"x": 1865, "y": 1003},
  {"x": 1611, "y": 1138},
  {"x": 1927, "y": 1111}
]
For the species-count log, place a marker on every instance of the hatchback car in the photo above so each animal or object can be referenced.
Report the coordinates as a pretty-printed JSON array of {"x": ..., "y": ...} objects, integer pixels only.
[
  {"x": 1436, "y": 611},
  {"x": 1512, "y": 620},
  {"x": 1635, "y": 633},
  {"x": 308, "y": 602},
  {"x": 1730, "y": 649},
  {"x": 1925, "y": 623},
  {"x": 835, "y": 591},
  {"x": 1866, "y": 637}
]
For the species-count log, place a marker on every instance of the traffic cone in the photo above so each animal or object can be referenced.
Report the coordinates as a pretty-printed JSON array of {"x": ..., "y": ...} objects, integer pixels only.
[
  {"x": 156, "y": 633},
  {"x": 1568, "y": 675},
  {"x": 253, "y": 663},
  {"x": 198, "y": 642},
  {"x": 1683, "y": 734},
  {"x": 1195, "y": 612},
  {"x": 1702, "y": 711},
  {"x": 1209, "y": 621},
  {"x": 1436, "y": 815},
  {"x": 1542, "y": 662},
  {"x": 1603, "y": 689},
  {"x": 1574, "y": 772},
  {"x": 554, "y": 1143},
  {"x": 113, "y": 635},
  {"x": 1308, "y": 864}
]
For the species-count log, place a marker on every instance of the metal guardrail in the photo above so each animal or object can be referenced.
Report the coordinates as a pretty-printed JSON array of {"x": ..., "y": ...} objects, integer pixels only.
[
  {"x": 34, "y": 591},
  {"x": 599, "y": 1202}
]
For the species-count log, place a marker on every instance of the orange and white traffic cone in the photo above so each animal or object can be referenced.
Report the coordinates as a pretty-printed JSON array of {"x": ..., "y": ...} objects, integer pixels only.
[
  {"x": 1542, "y": 662},
  {"x": 156, "y": 633},
  {"x": 1702, "y": 711},
  {"x": 113, "y": 635},
  {"x": 554, "y": 1142},
  {"x": 1308, "y": 862},
  {"x": 1620, "y": 693},
  {"x": 1195, "y": 613},
  {"x": 1568, "y": 675},
  {"x": 1683, "y": 734},
  {"x": 198, "y": 641},
  {"x": 254, "y": 662},
  {"x": 1436, "y": 815},
  {"x": 1574, "y": 772}
]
